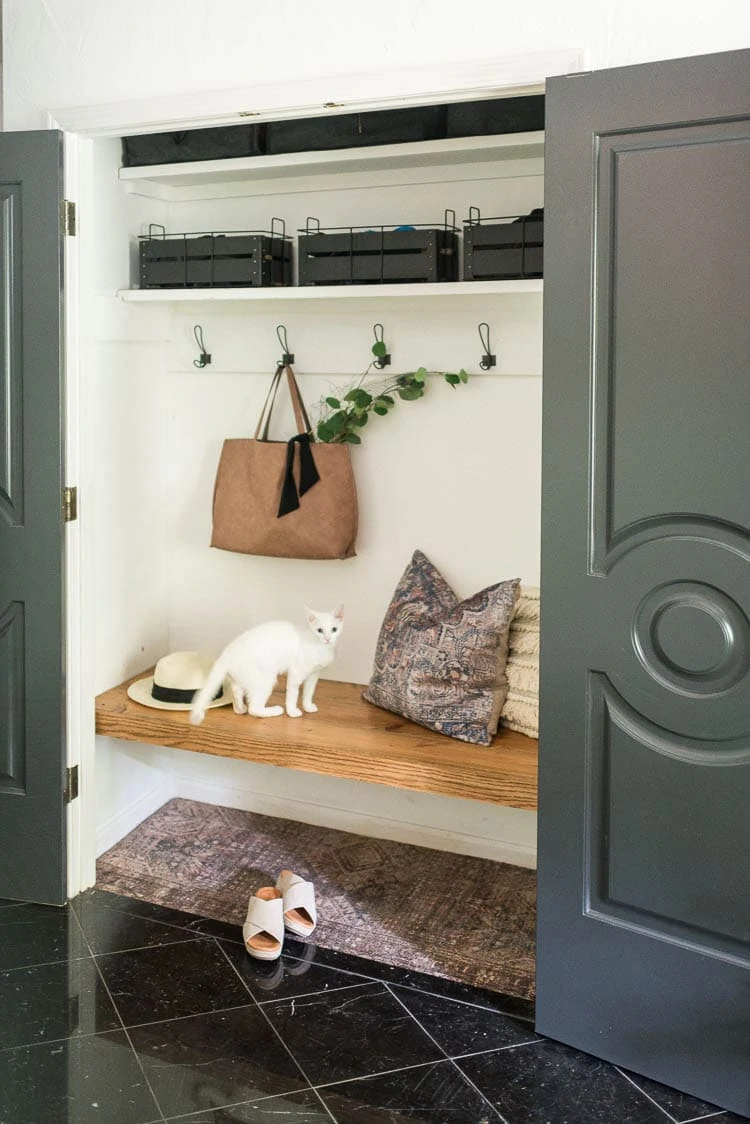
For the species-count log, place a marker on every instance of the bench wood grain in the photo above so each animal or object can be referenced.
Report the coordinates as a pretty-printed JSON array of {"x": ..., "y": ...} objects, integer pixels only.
[{"x": 348, "y": 737}]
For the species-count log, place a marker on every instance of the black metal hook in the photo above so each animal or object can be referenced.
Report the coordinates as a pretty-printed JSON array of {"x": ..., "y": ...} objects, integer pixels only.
[
  {"x": 379, "y": 349},
  {"x": 287, "y": 357},
  {"x": 488, "y": 360},
  {"x": 204, "y": 358}
]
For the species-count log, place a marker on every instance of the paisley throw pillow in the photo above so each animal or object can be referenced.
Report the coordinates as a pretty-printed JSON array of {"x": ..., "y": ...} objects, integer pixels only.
[{"x": 441, "y": 661}]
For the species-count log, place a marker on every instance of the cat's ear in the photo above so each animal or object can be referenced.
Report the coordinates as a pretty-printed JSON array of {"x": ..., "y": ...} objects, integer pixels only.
[
  {"x": 339, "y": 614},
  {"x": 310, "y": 614}
]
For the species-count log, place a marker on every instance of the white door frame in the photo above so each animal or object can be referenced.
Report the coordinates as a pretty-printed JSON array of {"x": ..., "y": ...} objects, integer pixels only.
[{"x": 514, "y": 75}]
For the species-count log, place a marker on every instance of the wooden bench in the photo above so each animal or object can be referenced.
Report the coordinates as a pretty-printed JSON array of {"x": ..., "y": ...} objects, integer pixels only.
[{"x": 348, "y": 737}]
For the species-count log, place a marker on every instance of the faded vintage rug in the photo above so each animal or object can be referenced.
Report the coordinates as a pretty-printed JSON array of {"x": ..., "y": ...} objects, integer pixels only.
[{"x": 462, "y": 918}]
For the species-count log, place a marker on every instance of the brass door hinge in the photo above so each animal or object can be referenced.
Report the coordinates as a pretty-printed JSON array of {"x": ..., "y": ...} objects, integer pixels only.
[
  {"x": 71, "y": 784},
  {"x": 70, "y": 504},
  {"x": 68, "y": 215}
]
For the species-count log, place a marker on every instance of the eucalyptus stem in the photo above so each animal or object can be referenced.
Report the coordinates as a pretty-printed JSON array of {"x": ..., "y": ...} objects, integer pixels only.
[{"x": 348, "y": 414}]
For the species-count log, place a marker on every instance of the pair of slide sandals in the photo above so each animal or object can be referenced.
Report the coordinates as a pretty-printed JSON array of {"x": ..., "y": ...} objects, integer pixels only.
[{"x": 290, "y": 905}]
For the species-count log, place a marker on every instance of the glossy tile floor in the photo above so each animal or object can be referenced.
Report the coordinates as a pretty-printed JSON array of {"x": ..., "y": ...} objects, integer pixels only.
[{"x": 117, "y": 1011}]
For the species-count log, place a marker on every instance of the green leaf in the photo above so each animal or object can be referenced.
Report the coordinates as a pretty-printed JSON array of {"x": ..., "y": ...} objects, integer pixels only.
[
  {"x": 333, "y": 403},
  {"x": 381, "y": 411},
  {"x": 337, "y": 422},
  {"x": 420, "y": 375},
  {"x": 463, "y": 375},
  {"x": 359, "y": 397},
  {"x": 386, "y": 398},
  {"x": 410, "y": 393},
  {"x": 360, "y": 419},
  {"x": 379, "y": 349},
  {"x": 325, "y": 433},
  {"x": 353, "y": 439},
  {"x": 454, "y": 380}
]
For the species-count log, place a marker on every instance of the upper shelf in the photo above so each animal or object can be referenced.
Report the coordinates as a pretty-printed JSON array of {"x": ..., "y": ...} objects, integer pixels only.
[
  {"x": 256, "y": 169},
  {"x": 337, "y": 292}
]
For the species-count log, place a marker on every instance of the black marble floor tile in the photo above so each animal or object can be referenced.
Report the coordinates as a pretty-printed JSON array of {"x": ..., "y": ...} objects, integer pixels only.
[
  {"x": 287, "y": 977},
  {"x": 108, "y": 929},
  {"x": 91, "y": 1080},
  {"x": 206, "y": 1061},
  {"x": 404, "y": 977},
  {"x": 169, "y": 981},
  {"x": 435, "y": 1093},
  {"x": 39, "y": 934},
  {"x": 680, "y": 1106},
  {"x": 461, "y": 1028},
  {"x": 53, "y": 1001},
  {"x": 292, "y": 1108},
  {"x": 547, "y": 1083},
  {"x": 162, "y": 913},
  {"x": 342, "y": 1034}
]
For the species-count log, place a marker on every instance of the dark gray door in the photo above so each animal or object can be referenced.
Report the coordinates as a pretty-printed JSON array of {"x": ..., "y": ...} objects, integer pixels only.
[
  {"x": 32, "y": 707},
  {"x": 644, "y": 812}
]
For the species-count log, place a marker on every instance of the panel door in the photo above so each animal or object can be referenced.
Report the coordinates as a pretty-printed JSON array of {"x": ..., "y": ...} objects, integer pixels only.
[
  {"x": 32, "y": 705},
  {"x": 644, "y": 811}
]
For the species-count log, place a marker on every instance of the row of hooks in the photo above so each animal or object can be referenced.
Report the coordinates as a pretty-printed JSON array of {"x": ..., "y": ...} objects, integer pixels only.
[{"x": 379, "y": 348}]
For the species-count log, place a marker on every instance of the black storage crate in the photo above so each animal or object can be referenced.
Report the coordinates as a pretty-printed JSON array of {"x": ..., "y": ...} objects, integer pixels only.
[
  {"x": 356, "y": 130},
  {"x": 356, "y": 255},
  {"x": 193, "y": 144},
  {"x": 240, "y": 259},
  {"x": 499, "y": 249}
]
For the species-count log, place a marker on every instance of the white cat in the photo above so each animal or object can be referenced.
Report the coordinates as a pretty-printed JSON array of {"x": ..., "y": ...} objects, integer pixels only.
[{"x": 255, "y": 659}]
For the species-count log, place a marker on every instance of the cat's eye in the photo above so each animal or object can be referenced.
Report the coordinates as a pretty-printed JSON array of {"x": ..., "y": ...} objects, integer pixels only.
[
  {"x": 320, "y": 630},
  {"x": 334, "y": 629}
]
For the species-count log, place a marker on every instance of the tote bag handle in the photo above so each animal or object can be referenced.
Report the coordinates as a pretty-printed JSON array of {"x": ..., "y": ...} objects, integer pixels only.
[{"x": 300, "y": 413}]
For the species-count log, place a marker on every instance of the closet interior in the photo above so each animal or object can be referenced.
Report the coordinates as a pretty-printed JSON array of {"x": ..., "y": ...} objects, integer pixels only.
[{"x": 455, "y": 474}]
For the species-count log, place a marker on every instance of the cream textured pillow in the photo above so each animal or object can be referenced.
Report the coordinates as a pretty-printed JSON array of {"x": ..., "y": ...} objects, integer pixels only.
[
  {"x": 440, "y": 661},
  {"x": 521, "y": 708}
]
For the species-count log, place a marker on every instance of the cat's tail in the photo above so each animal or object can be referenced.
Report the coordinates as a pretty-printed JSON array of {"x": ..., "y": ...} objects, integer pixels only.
[{"x": 207, "y": 692}]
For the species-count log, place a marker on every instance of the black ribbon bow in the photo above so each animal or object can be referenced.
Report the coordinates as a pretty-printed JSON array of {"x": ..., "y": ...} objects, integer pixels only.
[{"x": 308, "y": 474}]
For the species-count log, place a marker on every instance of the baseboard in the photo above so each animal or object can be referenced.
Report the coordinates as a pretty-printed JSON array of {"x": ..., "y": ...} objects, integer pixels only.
[
  {"x": 439, "y": 838},
  {"x": 118, "y": 826}
]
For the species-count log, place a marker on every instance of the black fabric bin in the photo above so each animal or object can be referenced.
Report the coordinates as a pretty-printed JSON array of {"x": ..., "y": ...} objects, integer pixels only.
[
  {"x": 193, "y": 144},
  {"x": 204, "y": 261},
  {"x": 356, "y": 130},
  {"x": 496, "y": 115}
]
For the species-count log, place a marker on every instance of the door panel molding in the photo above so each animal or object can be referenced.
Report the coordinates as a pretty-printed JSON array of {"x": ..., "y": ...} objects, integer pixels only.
[
  {"x": 11, "y": 400},
  {"x": 616, "y": 737},
  {"x": 12, "y": 699},
  {"x": 614, "y": 168}
]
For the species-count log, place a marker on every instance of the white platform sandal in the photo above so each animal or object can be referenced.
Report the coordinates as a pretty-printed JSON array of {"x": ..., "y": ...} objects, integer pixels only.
[
  {"x": 263, "y": 930},
  {"x": 300, "y": 915}
]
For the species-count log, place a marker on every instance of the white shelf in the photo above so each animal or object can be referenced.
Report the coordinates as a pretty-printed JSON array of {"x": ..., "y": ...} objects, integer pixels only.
[
  {"x": 253, "y": 169},
  {"x": 336, "y": 292}
]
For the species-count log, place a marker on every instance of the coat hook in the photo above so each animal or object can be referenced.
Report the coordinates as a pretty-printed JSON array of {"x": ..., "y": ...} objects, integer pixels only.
[
  {"x": 487, "y": 359},
  {"x": 287, "y": 358},
  {"x": 204, "y": 358},
  {"x": 379, "y": 349}
]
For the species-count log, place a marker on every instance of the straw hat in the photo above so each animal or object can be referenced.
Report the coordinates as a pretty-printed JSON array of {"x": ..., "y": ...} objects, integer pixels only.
[{"x": 176, "y": 678}]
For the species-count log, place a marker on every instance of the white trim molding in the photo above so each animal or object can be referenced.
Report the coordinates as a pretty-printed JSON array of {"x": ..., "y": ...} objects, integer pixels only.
[{"x": 512, "y": 75}]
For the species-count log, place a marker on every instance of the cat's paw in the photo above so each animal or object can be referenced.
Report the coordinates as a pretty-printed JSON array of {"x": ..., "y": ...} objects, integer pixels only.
[
  {"x": 310, "y": 708},
  {"x": 239, "y": 707},
  {"x": 294, "y": 712}
]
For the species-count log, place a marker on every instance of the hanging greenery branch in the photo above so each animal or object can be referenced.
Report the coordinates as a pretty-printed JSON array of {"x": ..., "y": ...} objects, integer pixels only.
[{"x": 344, "y": 417}]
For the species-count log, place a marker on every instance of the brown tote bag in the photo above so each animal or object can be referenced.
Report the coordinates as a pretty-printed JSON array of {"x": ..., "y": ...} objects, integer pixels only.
[{"x": 285, "y": 499}]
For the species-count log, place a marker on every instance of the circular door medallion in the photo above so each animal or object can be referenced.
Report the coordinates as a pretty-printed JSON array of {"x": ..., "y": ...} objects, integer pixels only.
[{"x": 692, "y": 638}]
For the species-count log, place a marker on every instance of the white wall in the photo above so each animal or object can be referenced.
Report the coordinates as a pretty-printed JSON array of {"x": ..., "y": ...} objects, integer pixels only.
[{"x": 78, "y": 52}]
